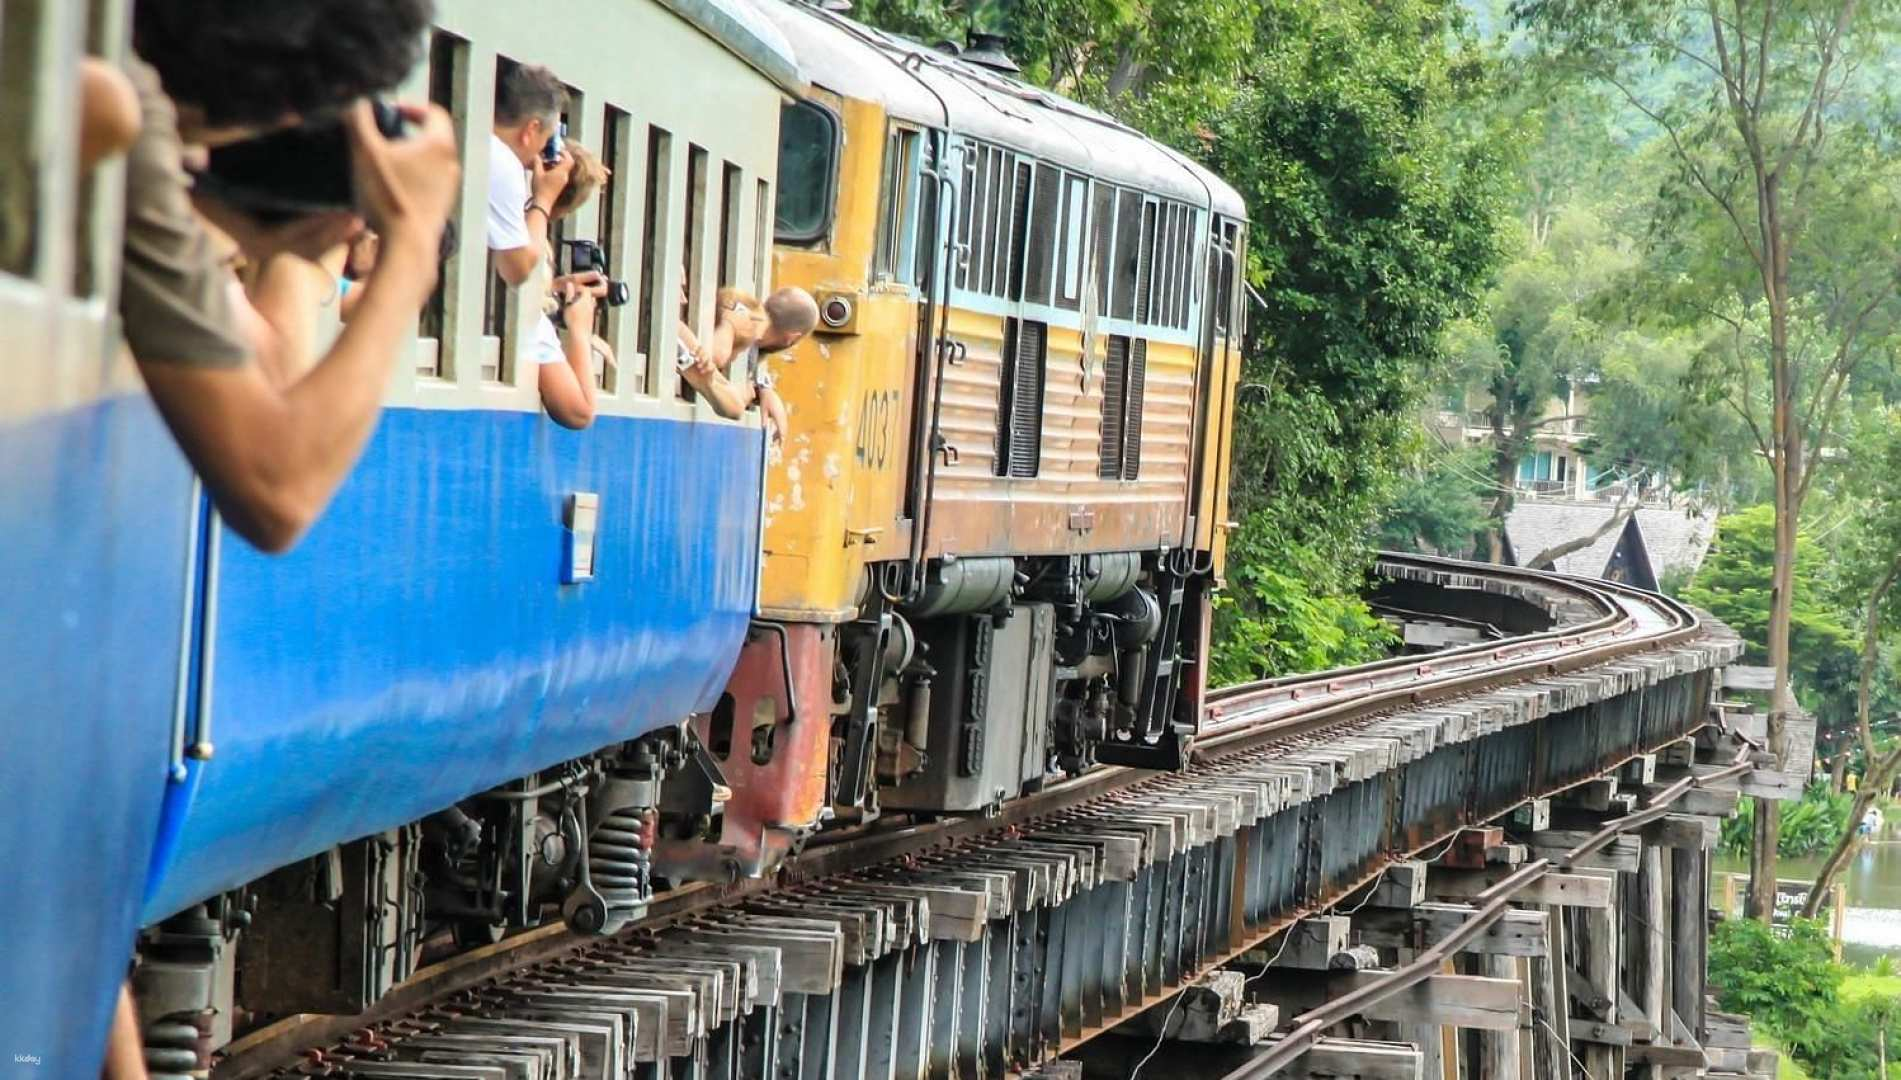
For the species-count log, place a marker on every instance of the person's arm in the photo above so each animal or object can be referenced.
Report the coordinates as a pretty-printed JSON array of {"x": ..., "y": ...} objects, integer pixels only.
[
  {"x": 108, "y": 112},
  {"x": 567, "y": 388},
  {"x": 774, "y": 410},
  {"x": 515, "y": 264},
  {"x": 273, "y": 458},
  {"x": 125, "y": 1052},
  {"x": 704, "y": 377}
]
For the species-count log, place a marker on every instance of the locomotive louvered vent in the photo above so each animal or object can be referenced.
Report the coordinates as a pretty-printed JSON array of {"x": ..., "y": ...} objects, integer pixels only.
[
  {"x": 1020, "y": 398},
  {"x": 1115, "y": 390},
  {"x": 1132, "y": 415}
]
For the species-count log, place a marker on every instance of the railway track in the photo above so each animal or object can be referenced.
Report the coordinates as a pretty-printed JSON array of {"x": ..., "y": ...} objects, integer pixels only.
[{"x": 978, "y": 948}]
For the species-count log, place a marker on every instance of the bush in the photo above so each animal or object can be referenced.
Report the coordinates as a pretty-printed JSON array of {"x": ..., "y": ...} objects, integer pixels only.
[
  {"x": 1288, "y": 610},
  {"x": 1787, "y": 981},
  {"x": 1810, "y": 826}
]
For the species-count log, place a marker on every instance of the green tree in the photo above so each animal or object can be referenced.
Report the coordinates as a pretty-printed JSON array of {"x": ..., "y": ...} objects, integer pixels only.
[
  {"x": 1534, "y": 340},
  {"x": 1871, "y": 556},
  {"x": 1785, "y": 206},
  {"x": 1162, "y": 65},
  {"x": 1733, "y": 585},
  {"x": 1441, "y": 502}
]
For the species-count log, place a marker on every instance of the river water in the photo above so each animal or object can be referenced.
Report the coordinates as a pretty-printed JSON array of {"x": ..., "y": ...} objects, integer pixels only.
[{"x": 1871, "y": 925}]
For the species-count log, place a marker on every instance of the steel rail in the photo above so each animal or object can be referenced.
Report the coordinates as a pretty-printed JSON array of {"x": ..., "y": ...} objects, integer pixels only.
[{"x": 1473, "y": 669}]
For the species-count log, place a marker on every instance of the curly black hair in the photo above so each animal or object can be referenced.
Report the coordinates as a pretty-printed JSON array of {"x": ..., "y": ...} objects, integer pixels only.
[{"x": 257, "y": 61}]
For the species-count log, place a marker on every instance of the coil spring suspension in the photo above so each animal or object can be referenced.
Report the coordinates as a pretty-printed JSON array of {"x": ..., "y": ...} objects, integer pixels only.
[
  {"x": 617, "y": 877},
  {"x": 619, "y": 859},
  {"x": 175, "y": 1047}
]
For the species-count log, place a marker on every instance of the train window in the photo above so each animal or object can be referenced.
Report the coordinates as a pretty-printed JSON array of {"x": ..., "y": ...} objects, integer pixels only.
[
  {"x": 927, "y": 241},
  {"x": 22, "y": 22},
  {"x": 967, "y": 213},
  {"x": 762, "y": 240},
  {"x": 653, "y": 274},
  {"x": 561, "y": 230},
  {"x": 997, "y": 215},
  {"x": 616, "y": 133},
  {"x": 1015, "y": 240},
  {"x": 1221, "y": 290},
  {"x": 96, "y": 252},
  {"x": 1045, "y": 228},
  {"x": 982, "y": 231},
  {"x": 1161, "y": 266},
  {"x": 1019, "y": 442},
  {"x": 1075, "y": 232},
  {"x": 808, "y": 172},
  {"x": 692, "y": 241},
  {"x": 1145, "y": 264},
  {"x": 1132, "y": 412},
  {"x": 1237, "y": 283},
  {"x": 896, "y": 195},
  {"x": 1128, "y": 231},
  {"x": 731, "y": 191},
  {"x": 449, "y": 88},
  {"x": 1105, "y": 227},
  {"x": 495, "y": 291},
  {"x": 1177, "y": 265},
  {"x": 1185, "y": 261}
]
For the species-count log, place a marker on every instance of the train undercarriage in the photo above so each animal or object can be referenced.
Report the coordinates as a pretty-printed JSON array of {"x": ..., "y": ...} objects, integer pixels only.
[{"x": 998, "y": 677}]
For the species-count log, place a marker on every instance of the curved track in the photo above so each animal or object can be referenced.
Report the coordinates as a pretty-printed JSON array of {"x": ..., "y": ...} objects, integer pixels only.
[{"x": 1239, "y": 771}]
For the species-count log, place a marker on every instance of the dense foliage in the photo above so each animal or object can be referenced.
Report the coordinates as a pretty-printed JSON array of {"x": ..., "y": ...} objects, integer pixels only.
[
  {"x": 1809, "y": 827},
  {"x": 1787, "y": 981},
  {"x": 1375, "y": 223},
  {"x": 1374, "y": 198},
  {"x": 1733, "y": 585}
]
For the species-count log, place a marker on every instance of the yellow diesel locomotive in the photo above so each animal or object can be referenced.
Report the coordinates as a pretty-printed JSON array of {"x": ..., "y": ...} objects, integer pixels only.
[{"x": 995, "y": 523}]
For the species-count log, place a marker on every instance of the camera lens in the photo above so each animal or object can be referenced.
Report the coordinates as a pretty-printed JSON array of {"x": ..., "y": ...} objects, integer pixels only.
[{"x": 617, "y": 293}]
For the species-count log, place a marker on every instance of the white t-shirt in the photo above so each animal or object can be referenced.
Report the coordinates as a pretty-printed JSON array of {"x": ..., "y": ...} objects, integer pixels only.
[
  {"x": 507, "y": 197},
  {"x": 547, "y": 347}
]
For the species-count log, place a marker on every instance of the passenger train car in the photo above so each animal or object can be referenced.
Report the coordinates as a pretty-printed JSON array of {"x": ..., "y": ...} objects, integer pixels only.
[{"x": 519, "y": 673}]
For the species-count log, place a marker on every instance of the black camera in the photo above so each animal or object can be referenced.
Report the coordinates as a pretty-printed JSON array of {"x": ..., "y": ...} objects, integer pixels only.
[
  {"x": 586, "y": 256},
  {"x": 297, "y": 172},
  {"x": 551, "y": 150}
]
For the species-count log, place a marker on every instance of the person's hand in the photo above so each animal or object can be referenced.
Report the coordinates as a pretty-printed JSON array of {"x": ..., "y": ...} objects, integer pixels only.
[
  {"x": 405, "y": 186},
  {"x": 577, "y": 312},
  {"x": 591, "y": 280},
  {"x": 551, "y": 180}
]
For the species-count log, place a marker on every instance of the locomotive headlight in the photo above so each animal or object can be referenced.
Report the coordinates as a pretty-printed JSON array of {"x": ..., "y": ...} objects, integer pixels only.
[{"x": 837, "y": 312}]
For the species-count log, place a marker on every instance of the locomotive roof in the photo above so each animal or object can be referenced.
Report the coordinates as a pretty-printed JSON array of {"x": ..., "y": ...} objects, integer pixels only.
[
  {"x": 920, "y": 84},
  {"x": 736, "y": 25}
]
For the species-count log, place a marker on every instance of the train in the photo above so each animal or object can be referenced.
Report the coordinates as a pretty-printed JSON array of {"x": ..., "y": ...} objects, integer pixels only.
[{"x": 519, "y": 674}]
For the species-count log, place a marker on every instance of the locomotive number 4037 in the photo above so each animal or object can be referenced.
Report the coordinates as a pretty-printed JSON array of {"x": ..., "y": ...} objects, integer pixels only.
[{"x": 877, "y": 419}]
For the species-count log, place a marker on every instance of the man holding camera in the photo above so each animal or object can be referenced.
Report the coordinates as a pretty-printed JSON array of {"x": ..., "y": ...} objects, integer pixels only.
[
  {"x": 530, "y": 172},
  {"x": 527, "y": 169},
  {"x": 270, "y": 455}
]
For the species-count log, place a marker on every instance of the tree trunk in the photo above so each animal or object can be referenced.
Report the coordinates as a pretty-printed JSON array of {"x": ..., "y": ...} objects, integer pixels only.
[
  {"x": 1838, "y": 769},
  {"x": 1504, "y": 475},
  {"x": 1844, "y": 849},
  {"x": 1762, "y": 856}
]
